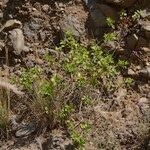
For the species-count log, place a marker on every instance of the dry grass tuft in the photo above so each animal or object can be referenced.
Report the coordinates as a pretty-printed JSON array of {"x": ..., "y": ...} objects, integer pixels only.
[{"x": 8, "y": 86}]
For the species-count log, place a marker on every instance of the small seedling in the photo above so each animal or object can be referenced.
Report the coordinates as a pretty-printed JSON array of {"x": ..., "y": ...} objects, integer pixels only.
[
  {"x": 65, "y": 111},
  {"x": 86, "y": 100},
  {"x": 136, "y": 15},
  {"x": 77, "y": 138},
  {"x": 128, "y": 82},
  {"x": 110, "y": 22},
  {"x": 123, "y": 14},
  {"x": 110, "y": 37},
  {"x": 28, "y": 76},
  {"x": 46, "y": 89},
  {"x": 85, "y": 126}
]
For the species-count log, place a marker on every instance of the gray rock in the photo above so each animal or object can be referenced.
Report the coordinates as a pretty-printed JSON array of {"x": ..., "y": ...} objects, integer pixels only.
[
  {"x": 146, "y": 13},
  {"x": 136, "y": 42},
  {"x": 32, "y": 27},
  {"x": 58, "y": 142},
  {"x": 145, "y": 27},
  {"x": 132, "y": 41},
  {"x": 142, "y": 42},
  {"x": 146, "y": 49},
  {"x": 145, "y": 72},
  {"x": 25, "y": 130},
  {"x": 2, "y": 45},
  {"x": 45, "y": 8},
  {"x": 144, "y": 104},
  {"x": 99, "y": 13},
  {"x": 98, "y": 18},
  {"x": 122, "y": 3},
  {"x": 131, "y": 72},
  {"x": 17, "y": 40},
  {"x": 70, "y": 23}
]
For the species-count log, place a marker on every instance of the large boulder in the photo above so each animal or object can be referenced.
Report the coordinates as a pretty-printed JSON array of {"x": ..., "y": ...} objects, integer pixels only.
[{"x": 98, "y": 15}]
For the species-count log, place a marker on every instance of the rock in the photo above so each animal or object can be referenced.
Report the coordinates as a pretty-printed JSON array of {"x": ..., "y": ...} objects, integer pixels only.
[
  {"x": 57, "y": 142},
  {"x": 2, "y": 45},
  {"x": 11, "y": 24},
  {"x": 3, "y": 3},
  {"x": 126, "y": 112},
  {"x": 98, "y": 18},
  {"x": 13, "y": 120},
  {"x": 145, "y": 72},
  {"x": 78, "y": 2},
  {"x": 25, "y": 130},
  {"x": 72, "y": 24},
  {"x": 146, "y": 49},
  {"x": 145, "y": 27},
  {"x": 132, "y": 41},
  {"x": 39, "y": 61},
  {"x": 32, "y": 27},
  {"x": 131, "y": 72},
  {"x": 142, "y": 42},
  {"x": 99, "y": 13},
  {"x": 146, "y": 13},
  {"x": 122, "y": 3},
  {"x": 45, "y": 8},
  {"x": 108, "y": 11},
  {"x": 144, "y": 105},
  {"x": 17, "y": 40},
  {"x": 1, "y": 15}
]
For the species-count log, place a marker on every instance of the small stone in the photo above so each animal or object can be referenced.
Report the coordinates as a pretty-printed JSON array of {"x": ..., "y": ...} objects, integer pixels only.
[
  {"x": 126, "y": 112},
  {"x": 131, "y": 72},
  {"x": 145, "y": 26},
  {"x": 145, "y": 72},
  {"x": 1, "y": 15},
  {"x": 25, "y": 130},
  {"x": 73, "y": 25},
  {"x": 1, "y": 45},
  {"x": 17, "y": 40},
  {"x": 145, "y": 13},
  {"x": 34, "y": 9},
  {"x": 39, "y": 61},
  {"x": 26, "y": 49},
  {"x": 146, "y": 49},
  {"x": 78, "y": 1},
  {"x": 45, "y": 8},
  {"x": 144, "y": 105},
  {"x": 11, "y": 24},
  {"x": 132, "y": 41},
  {"x": 142, "y": 42}
]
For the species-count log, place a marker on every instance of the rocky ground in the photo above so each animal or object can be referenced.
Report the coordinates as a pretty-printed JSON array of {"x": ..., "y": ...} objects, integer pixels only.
[{"x": 31, "y": 28}]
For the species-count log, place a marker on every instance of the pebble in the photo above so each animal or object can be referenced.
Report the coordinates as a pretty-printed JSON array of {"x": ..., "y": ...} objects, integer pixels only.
[
  {"x": 145, "y": 72},
  {"x": 45, "y": 8},
  {"x": 131, "y": 72},
  {"x": 11, "y": 24},
  {"x": 17, "y": 40},
  {"x": 1, "y": 15}
]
